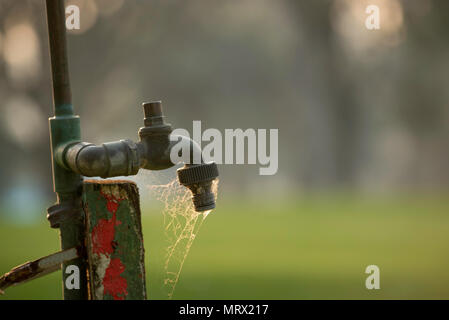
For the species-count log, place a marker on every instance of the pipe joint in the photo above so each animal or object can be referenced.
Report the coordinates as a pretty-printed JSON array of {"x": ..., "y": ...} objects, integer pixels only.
[{"x": 118, "y": 158}]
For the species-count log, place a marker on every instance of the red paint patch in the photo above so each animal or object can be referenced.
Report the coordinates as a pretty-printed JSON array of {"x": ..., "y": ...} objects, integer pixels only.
[
  {"x": 104, "y": 232},
  {"x": 103, "y": 235},
  {"x": 113, "y": 283},
  {"x": 112, "y": 205}
]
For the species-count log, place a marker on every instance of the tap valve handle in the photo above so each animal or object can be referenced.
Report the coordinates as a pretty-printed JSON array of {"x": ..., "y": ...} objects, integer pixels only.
[{"x": 153, "y": 113}]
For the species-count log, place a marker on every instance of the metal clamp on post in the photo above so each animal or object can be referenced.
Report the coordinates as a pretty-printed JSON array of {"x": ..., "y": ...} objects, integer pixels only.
[{"x": 62, "y": 212}]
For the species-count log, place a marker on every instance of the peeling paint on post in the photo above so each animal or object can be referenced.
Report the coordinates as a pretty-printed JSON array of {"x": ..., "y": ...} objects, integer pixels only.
[{"x": 114, "y": 240}]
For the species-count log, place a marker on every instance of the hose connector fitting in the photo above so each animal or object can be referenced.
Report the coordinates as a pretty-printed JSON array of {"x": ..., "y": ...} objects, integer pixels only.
[{"x": 199, "y": 178}]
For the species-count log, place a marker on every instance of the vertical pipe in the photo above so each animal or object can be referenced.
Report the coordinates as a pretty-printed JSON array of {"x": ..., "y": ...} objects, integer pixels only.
[
  {"x": 65, "y": 127},
  {"x": 62, "y": 95}
]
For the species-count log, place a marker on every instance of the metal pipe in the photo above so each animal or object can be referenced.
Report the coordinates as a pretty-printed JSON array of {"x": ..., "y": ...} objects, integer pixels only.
[
  {"x": 111, "y": 159},
  {"x": 152, "y": 152},
  {"x": 67, "y": 213},
  {"x": 62, "y": 95},
  {"x": 125, "y": 157}
]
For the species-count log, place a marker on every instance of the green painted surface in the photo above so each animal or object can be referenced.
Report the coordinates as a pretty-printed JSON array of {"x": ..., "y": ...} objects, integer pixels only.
[
  {"x": 64, "y": 129},
  {"x": 114, "y": 241},
  {"x": 67, "y": 185}
]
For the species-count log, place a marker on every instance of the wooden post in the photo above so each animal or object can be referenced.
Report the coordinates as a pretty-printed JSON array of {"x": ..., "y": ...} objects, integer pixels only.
[{"x": 114, "y": 240}]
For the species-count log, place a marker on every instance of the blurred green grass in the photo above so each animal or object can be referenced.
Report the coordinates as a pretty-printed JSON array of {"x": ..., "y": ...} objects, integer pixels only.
[{"x": 314, "y": 248}]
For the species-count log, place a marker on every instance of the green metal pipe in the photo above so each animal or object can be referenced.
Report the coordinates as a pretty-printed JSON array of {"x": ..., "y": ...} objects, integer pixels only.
[
  {"x": 152, "y": 152},
  {"x": 64, "y": 128}
]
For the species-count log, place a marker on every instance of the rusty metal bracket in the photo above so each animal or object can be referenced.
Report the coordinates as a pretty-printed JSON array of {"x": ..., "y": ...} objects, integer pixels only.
[{"x": 38, "y": 268}]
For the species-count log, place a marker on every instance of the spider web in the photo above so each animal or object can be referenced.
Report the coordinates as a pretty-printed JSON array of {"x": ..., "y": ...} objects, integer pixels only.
[{"x": 181, "y": 225}]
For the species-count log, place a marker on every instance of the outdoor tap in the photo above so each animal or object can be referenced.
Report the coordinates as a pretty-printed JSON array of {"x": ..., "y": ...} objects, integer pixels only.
[
  {"x": 156, "y": 145},
  {"x": 152, "y": 152}
]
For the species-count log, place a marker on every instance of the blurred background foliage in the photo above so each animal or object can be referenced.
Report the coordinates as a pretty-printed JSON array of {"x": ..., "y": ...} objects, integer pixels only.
[{"x": 363, "y": 135}]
